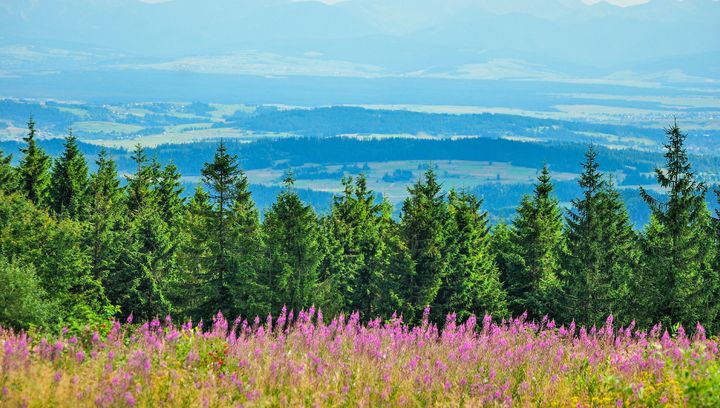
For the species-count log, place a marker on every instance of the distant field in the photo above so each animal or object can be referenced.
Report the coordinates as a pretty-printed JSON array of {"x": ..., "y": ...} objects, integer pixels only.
[
  {"x": 452, "y": 173},
  {"x": 106, "y": 127},
  {"x": 184, "y": 134}
]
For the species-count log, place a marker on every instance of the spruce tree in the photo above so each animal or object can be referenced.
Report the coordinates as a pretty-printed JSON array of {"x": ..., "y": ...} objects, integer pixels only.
[
  {"x": 246, "y": 247},
  {"x": 147, "y": 262},
  {"x": 34, "y": 169},
  {"x": 602, "y": 251},
  {"x": 532, "y": 278},
  {"x": 424, "y": 224},
  {"x": 195, "y": 257},
  {"x": 106, "y": 219},
  {"x": 8, "y": 174},
  {"x": 140, "y": 185},
  {"x": 234, "y": 238},
  {"x": 68, "y": 188},
  {"x": 678, "y": 257},
  {"x": 292, "y": 251},
  {"x": 357, "y": 267},
  {"x": 472, "y": 285},
  {"x": 170, "y": 198},
  {"x": 53, "y": 248}
]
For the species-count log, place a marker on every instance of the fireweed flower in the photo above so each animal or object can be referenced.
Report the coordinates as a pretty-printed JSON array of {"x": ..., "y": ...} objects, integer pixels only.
[{"x": 347, "y": 362}]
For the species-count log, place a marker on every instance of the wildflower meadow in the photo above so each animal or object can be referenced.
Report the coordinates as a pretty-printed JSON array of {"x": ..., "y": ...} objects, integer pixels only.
[{"x": 302, "y": 360}]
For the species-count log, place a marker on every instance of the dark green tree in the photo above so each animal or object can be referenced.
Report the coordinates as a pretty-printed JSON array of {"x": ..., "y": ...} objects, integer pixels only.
[
  {"x": 140, "y": 185},
  {"x": 360, "y": 263},
  {"x": 8, "y": 174},
  {"x": 106, "y": 219},
  {"x": 53, "y": 248},
  {"x": 69, "y": 182},
  {"x": 170, "y": 198},
  {"x": 423, "y": 226},
  {"x": 195, "y": 257},
  {"x": 147, "y": 262},
  {"x": 33, "y": 170},
  {"x": 293, "y": 254},
  {"x": 233, "y": 233},
  {"x": 533, "y": 279},
  {"x": 602, "y": 251},
  {"x": 678, "y": 256},
  {"x": 472, "y": 285}
]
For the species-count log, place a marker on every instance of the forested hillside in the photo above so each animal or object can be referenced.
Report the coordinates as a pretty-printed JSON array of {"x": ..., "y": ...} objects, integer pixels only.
[{"x": 79, "y": 246}]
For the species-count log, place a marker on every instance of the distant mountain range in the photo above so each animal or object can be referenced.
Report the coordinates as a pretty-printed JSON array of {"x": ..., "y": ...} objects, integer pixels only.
[{"x": 660, "y": 43}]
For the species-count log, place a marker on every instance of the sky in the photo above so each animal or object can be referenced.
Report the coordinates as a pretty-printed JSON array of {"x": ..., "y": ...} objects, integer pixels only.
[{"x": 658, "y": 43}]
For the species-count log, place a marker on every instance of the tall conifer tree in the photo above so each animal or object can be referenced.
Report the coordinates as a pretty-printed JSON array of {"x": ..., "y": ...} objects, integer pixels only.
[
  {"x": 293, "y": 254},
  {"x": 537, "y": 237},
  {"x": 34, "y": 169},
  {"x": 360, "y": 264},
  {"x": 68, "y": 188},
  {"x": 472, "y": 285},
  {"x": 233, "y": 233},
  {"x": 106, "y": 219},
  {"x": 602, "y": 251},
  {"x": 8, "y": 175},
  {"x": 678, "y": 269},
  {"x": 424, "y": 224},
  {"x": 147, "y": 261}
]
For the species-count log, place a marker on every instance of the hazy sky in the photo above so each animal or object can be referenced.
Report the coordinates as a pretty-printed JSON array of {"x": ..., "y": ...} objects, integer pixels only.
[{"x": 622, "y": 3}]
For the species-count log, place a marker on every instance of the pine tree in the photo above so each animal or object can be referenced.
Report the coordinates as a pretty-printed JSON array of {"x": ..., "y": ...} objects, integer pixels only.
[
  {"x": 139, "y": 185},
  {"x": 247, "y": 246},
  {"x": 472, "y": 285},
  {"x": 170, "y": 198},
  {"x": 146, "y": 265},
  {"x": 53, "y": 248},
  {"x": 8, "y": 174},
  {"x": 147, "y": 262},
  {"x": 33, "y": 169},
  {"x": 68, "y": 188},
  {"x": 195, "y": 257},
  {"x": 356, "y": 270},
  {"x": 292, "y": 251},
  {"x": 106, "y": 222},
  {"x": 234, "y": 237},
  {"x": 424, "y": 223},
  {"x": 602, "y": 251},
  {"x": 537, "y": 237},
  {"x": 678, "y": 258}
]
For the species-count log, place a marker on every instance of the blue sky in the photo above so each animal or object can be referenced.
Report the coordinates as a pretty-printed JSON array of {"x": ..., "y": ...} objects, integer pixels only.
[{"x": 652, "y": 44}]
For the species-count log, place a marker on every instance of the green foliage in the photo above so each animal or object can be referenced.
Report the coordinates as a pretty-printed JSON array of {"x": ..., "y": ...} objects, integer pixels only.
[
  {"x": 423, "y": 226},
  {"x": 8, "y": 175},
  {"x": 33, "y": 170},
  {"x": 23, "y": 301},
  {"x": 602, "y": 252},
  {"x": 292, "y": 252},
  {"x": 472, "y": 285},
  {"x": 537, "y": 245},
  {"x": 78, "y": 250},
  {"x": 53, "y": 248},
  {"x": 69, "y": 182},
  {"x": 106, "y": 220},
  {"x": 678, "y": 244},
  {"x": 360, "y": 262},
  {"x": 229, "y": 262}
]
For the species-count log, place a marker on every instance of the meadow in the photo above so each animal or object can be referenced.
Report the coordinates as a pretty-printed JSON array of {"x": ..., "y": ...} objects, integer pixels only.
[
  {"x": 458, "y": 174},
  {"x": 302, "y": 360}
]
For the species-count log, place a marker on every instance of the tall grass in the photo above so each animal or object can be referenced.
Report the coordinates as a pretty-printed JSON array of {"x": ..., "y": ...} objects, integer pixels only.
[{"x": 305, "y": 361}]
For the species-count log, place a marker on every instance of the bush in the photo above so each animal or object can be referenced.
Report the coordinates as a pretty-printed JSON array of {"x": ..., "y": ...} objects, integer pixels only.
[{"x": 23, "y": 303}]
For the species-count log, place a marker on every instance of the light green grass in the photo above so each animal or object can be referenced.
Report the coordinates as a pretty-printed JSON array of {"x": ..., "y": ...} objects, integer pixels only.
[
  {"x": 457, "y": 174},
  {"x": 106, "y": 127}
]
